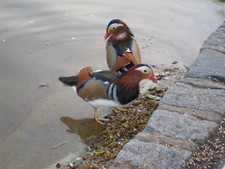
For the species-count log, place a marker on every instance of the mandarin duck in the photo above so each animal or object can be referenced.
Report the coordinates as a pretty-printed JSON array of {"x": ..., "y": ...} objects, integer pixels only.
[
  {"x": 108, "y": 88},
  {"x": 122, "y": 51}
]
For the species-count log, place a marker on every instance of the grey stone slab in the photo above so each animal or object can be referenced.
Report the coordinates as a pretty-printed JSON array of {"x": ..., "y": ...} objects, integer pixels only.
[
  {"x": 216, "y": 48},
  {"x": 168, "y": 141},
  {"x": 202, "y": 114},
  {"x": 152, "y": 155},
  {"x": 210, "y": 63},
  {"x": 222, "y": 25},
  {"x": 203, "y": 83},
  {"x": 186, "y": 96},
  {"x": 217, "y": 38},
  {"x": 179, "y": 126}
]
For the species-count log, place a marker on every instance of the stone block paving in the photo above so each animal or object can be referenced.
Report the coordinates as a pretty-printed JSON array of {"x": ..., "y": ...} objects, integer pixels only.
[
  {"x": 211, "y": 60},
  {"x": 188, "y": 113}
]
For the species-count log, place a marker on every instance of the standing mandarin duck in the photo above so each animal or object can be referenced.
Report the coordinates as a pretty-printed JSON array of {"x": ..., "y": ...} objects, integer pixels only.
[
  {"x": 109, "y": 88},
  {"x": 122, "y": 50}
]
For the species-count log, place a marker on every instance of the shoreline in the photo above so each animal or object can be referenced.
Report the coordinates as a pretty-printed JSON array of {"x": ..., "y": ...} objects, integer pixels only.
[{"x": 167, "y": 142}]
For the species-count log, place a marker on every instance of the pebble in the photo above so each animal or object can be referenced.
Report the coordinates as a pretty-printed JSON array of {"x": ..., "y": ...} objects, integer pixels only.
[{"x": 41, "y": 85}]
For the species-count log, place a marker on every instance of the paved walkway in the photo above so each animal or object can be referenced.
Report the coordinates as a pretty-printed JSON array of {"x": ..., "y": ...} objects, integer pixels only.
[{"x": 190, "y": 110}]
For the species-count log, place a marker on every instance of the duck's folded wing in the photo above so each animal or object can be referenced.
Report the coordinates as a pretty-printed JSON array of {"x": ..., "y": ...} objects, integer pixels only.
[{"x": 106, "y": 76}]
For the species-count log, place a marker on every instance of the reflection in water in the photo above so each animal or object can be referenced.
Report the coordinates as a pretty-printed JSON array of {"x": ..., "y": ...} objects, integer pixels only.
[{"x": 83, "y": 127}]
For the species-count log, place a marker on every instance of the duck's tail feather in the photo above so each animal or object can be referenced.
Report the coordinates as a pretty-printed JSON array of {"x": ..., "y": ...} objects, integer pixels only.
[{"x": 69, "y": 81}]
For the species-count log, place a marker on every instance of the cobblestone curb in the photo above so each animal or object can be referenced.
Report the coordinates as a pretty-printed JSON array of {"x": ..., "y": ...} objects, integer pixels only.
[{"x": 190, "y": 110}]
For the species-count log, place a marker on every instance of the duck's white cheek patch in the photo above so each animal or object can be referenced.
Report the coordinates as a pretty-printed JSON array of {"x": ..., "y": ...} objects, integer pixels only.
[{"x": 103, "y": 103}]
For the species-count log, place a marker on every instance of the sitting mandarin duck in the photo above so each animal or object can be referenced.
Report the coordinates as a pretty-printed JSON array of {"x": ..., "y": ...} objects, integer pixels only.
[
  {"x": 122, "y": 51},
  {"x": 109, "y": 88}
]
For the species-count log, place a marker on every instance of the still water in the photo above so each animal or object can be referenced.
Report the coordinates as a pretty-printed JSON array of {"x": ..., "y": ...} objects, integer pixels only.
[{"x": 41, "y": 40}]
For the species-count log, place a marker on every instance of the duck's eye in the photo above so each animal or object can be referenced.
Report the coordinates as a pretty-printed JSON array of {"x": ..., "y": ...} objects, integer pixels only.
[
  {"x": 145, "y": 71},
  {"x": 113, "y": 27}
]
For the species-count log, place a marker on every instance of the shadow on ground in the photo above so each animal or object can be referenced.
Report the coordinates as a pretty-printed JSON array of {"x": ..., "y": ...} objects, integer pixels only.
[{"x": 85, "y": 128}]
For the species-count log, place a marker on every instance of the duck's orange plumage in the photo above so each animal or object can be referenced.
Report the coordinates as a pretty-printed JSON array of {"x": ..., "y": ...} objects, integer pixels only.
[{"x": 83, "y": 75}]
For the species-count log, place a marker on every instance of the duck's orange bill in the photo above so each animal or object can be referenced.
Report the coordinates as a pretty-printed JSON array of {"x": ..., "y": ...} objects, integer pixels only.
[{"x": 154, "y": 79}]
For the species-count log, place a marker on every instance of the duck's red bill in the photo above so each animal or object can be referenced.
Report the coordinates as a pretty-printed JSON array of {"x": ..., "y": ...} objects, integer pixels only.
[
  {"x": 106, "y": 35},
  {"x": 154, "y": 79}
]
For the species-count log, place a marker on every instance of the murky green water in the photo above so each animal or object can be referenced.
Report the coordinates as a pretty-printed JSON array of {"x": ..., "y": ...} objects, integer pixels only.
[{"x": 41, "y": 40}]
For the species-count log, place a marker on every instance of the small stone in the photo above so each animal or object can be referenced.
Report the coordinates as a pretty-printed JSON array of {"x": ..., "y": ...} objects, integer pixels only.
[
  {"x": 175, "y": 62},
  {"x": 79, "y": 158},
  {"x": 41, "y": 85},
  {"x": 72, "y": 164},
  {"x": 58, "y": 165},
  {"x": 120, "y": 143}
]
